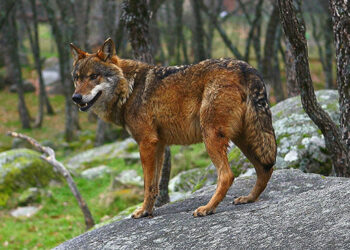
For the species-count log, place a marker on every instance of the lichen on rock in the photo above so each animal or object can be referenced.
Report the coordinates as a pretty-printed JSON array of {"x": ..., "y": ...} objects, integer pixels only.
[{"x": 300, "y": 144}]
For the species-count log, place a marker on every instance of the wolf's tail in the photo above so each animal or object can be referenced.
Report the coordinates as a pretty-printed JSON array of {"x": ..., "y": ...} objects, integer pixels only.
[{"x": 258, "y": 120}]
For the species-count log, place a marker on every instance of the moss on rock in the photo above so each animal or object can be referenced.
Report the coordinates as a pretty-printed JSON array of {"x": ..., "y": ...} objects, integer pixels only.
[{"x": 21, "y": 169}]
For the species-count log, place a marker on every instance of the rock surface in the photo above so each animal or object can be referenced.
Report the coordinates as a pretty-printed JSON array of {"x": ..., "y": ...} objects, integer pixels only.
[
  {"x": 26, "y": 85},
  {"x": 128, "y": 177},
  {"x": 302, "y": 211},
  {"x": 109, "y": 151},
  {"x": 96, "y": 172},
  {"x": 28, "y": 211},
  {"x": 300, "y": 143}
]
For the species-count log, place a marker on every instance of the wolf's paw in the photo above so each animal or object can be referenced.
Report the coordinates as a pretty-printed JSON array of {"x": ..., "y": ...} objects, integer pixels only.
[
  {"x": 243, "y": 200},
  {"x": 203, "y": 211},
  {"x": 140, "y": 212}
]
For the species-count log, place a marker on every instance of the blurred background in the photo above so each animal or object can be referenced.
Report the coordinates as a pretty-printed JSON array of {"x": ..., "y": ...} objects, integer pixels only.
[{"x": 36, "y": 89}]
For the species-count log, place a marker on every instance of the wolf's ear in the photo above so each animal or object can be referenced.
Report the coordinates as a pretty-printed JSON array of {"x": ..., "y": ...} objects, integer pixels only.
[
  {"x": 107, "y": 50},
  {"x": 76, "y": 52}
]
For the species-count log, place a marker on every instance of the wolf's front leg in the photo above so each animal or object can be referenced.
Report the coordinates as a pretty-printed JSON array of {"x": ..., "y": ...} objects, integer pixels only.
[{"x": 149, "y": 149}]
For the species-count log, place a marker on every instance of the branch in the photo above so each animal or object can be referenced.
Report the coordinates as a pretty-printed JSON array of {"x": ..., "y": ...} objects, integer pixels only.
[
  {"x": 245, "y": 11},
  {"x": 4, "y": 17},
  {"x": 294, "y": 30},
  {"x": 50, "y": 158},
  {"x": 222, "y": 33}
]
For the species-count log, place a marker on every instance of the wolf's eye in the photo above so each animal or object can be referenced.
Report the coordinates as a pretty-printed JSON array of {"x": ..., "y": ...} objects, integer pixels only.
[{"x": 93, "y": 76}]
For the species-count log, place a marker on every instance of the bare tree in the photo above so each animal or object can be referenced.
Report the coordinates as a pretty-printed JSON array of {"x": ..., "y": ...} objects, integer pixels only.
[
  {"x": 294, "y": 29},
  {"x": 64, "y": 30},
  {"x": 234, "y": 50},
  {"x": 217, "y": 7},
  {"x": 254, "y": 33},
  {"x": 270, "y": 53},
  {"x": 109, "y": 16},
  {"x": 180, "y": 40},
  {"x": 35, "y": 47},
  {"x": 291, "y": 74},
  {"x": 341, "y": 28},
  {"x": 322, "y": 30},
  {"x": 328, "y": 47},
  {"x": 49, "y": 157},
  {"x": 289, "y": 59},
  {"x": 198, "y": 32},
  {"x": 10, "y": 36},
  {"x": 136, "y": 18}
]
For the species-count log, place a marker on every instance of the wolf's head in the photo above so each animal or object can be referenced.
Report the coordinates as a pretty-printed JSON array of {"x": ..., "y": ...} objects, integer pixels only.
[{"x": 99, "y": 82}]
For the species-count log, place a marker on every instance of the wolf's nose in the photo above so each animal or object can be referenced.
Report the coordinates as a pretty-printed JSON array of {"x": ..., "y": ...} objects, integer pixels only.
[{"x": 77, "y": 98}]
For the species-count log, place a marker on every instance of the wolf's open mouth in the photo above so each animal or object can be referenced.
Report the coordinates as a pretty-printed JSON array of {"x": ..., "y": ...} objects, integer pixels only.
[{"x": 87, "y": 105}]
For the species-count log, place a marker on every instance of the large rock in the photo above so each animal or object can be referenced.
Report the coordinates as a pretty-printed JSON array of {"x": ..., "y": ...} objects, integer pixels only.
[
  {"x": 21, "y": 169},
  {"x": 26, "y": 85},
  {"x": 28, "y": 211},
  {"x": 96, "y": 172},
  {"x": 302, "y": 211},
  {"x": 106, "y": 152},
  {"x": 127, "y": 178},
  {"x": 300, "y": 143},
  {"x": 193, "y": 179}
]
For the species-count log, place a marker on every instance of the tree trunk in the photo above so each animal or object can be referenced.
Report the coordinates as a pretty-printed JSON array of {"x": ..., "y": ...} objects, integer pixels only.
[
  {"x": 109, "y": 10},
  {"x": 295, "y": 32},
  {"x": 34, "y": 44},
  {"x": 324, "y": 52},
  {"x": 234, "y": 50},
  {"x": 64, "y": 33},
  {"x": 136, "y": 19},
  {"x": 276, "y": 71},
  {"x": 9, "y": 31},
  {"x": 198, "y": 32},
  {"x": 169, "y": 32},
  {"x": 119, "y": 36},
  {"x": 102, "y": 131},
  {"x": 270, "y": 54},
  {"x": 217, "y": 6},
  {"x": 291, "y": 75},
  {"x": 180, "y": 40},
  {"x": 254, "y": 35},
  {"x": 341, "y": 28},
  {"x": 328, "y": 46},
  {"x": 163, "y": 196}
]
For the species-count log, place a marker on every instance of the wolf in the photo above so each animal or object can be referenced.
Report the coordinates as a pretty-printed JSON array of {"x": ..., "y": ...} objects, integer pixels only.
[{"x": 215, "y": 101}]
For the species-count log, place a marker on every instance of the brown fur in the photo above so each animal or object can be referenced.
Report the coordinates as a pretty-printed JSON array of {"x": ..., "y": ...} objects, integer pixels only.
[{"x": 214, "y": 101}]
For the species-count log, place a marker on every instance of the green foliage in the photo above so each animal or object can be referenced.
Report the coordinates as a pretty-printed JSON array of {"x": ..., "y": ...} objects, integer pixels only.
[
  {"x": 188, "y": 157},
  {"x": 199, "y": 185}
]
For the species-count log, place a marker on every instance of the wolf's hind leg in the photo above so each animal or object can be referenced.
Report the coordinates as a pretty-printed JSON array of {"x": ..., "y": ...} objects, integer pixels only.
[
  {"x": 216, "y": 144},
  {"x": 263, "y": 177}
]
